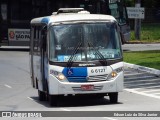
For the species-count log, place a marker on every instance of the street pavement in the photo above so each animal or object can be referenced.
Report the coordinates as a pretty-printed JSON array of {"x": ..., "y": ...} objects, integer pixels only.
[{"x": 142, "y": 83}]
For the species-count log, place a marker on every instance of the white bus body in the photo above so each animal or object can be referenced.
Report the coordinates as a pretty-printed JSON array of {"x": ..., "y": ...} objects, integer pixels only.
[{"x": 66, "y": 58}]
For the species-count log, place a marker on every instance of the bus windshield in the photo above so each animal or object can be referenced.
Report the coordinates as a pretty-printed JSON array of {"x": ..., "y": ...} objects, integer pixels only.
[{"x": 91, "y": 41}]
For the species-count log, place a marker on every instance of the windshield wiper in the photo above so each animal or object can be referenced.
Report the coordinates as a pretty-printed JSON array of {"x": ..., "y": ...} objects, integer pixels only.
[
  {"x": 70, "y": 61},
  {"x": 98, "y": 53}
]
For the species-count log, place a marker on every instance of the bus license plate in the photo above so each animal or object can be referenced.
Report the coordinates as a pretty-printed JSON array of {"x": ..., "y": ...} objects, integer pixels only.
[{"x": 87, "y": 87}]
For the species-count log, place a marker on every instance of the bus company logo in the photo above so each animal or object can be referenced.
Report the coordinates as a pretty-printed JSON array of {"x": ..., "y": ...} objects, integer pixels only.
[{"x": 11, "y": 34}]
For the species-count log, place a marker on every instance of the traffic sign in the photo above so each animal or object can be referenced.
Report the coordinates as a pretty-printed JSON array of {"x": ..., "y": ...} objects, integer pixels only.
[{"x": 136, "y": 12}]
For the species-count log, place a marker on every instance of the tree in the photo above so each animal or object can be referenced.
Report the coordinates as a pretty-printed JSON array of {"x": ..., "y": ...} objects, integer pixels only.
[
  {"x": 144, "y": 3},
  {"x": 129, "y": 3}
]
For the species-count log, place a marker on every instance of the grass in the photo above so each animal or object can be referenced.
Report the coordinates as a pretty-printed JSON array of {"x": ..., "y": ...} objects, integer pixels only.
[
  {"x": 149, "y": 33},
  {"x": 144, "y": 58}
]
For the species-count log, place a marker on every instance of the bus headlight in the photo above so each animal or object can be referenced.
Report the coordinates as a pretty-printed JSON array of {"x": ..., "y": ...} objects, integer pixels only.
[
  {"x": 58, "y": 75},
  {"x": 112, "y": 75}
]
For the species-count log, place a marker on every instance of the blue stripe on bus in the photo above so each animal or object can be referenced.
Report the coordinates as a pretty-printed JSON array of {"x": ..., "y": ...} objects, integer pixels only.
[
  {"x": 45, "y": 20},
  {"x": 78, "y": 74}
]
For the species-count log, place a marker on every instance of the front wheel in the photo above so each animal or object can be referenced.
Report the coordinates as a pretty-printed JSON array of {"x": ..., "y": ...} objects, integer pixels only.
[
  {"x": 53, "y": 100},
  {"x": 113, "y": 97},
  {"x": 42, "y": 95}
]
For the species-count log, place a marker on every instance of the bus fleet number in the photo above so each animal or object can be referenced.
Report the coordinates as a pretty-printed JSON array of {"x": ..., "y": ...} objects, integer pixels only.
[{"x": 97, "y": 70}]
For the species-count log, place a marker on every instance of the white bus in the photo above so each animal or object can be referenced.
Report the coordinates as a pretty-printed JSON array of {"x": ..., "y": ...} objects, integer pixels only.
[{"x": 73, "y": 52}]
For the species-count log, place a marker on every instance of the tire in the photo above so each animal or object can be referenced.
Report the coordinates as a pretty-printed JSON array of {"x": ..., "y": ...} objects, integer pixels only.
[
  {"x": 53, "y": 100},
  {"x": 42, "y": 95},
  {"x": 113, "y": 97}
]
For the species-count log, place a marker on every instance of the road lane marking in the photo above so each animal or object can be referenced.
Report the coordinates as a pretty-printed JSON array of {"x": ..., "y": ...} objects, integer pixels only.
[
  {"x": 7, "y": 86},
  {"x": 141, "y": 93},
  {"x": 156, "y": 93},
  {"x": 136, "y": 81},
  {"x": 109, "y": 118},
  {"x": 132, "y": 74},
  {"x": 144, "y": 77},
  {"x": 30, "y": 98},
  {"x": 150, "y": 87},
  {"x": 148, "y": 91},
  {"x": 64, "y": 109},
  {"x": 139, "y": 84}
]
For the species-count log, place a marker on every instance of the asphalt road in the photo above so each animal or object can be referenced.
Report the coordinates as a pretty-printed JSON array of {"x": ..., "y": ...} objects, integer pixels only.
[{"x": 141, "y": 92}]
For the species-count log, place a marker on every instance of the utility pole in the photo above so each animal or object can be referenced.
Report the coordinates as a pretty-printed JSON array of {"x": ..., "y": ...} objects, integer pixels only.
[{"x": 137, "y": 27}]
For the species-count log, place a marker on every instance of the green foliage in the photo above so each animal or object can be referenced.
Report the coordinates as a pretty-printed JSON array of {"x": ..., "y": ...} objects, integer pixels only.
[
  {"x": 148, "y": 3},
  {"x": 144, "y": 3},
  {"x": 149, "y": 33},
  {"x": 144, "y": 58},
  {"x": 129, "y": 3}
]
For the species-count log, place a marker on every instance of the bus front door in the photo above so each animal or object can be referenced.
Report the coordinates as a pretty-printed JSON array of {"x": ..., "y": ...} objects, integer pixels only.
[{"x": 43, "y": 59}]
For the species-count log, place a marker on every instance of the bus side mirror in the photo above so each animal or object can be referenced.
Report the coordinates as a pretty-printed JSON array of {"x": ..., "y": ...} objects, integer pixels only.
[
  {"x": 125, "y": 35},
  {"x": 122, "y": 38},
  {"x": 121, "y": 35}
]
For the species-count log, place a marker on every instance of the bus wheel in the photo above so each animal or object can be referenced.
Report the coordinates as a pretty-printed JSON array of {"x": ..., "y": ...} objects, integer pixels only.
[
  {"x": 113, "y": 97},
  {"x": 53, "y": 100},
  {"x": 42, "y": 95}
]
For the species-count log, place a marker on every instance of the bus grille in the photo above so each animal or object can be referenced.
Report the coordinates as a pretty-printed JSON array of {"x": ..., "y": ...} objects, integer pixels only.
[
  {"x": 96, "y": 88},
  {"x": 96, "y": 78}
]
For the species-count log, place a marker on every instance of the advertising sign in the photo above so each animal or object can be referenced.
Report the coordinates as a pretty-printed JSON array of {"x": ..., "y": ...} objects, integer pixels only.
[{"x": 18, "y": 34}]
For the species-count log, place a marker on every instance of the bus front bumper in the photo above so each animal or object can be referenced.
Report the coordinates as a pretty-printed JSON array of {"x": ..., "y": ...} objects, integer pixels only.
[{"x": 71, "y": 88}]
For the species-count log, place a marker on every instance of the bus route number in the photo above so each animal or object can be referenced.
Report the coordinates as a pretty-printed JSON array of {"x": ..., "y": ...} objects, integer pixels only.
[{"x": 98, "y": 70}]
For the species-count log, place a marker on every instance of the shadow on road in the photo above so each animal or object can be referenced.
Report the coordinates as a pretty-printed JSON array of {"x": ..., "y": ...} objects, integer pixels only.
[{"x": 77, "y": 101}]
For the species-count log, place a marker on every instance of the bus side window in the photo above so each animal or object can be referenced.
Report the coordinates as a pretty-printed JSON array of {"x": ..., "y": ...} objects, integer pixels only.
[
  {"x": 44, "y": 37},
  {"x": 39, "y": 39},
  {"x": 35, "y": 40}
]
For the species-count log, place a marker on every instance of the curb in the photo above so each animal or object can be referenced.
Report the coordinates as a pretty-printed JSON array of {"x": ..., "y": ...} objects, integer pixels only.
[
  {"x": 139, "y": 42},
  {"x": 142, "y": 68}
]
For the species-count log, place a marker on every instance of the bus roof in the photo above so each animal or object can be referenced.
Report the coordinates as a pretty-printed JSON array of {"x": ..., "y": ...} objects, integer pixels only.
[{"x": 67, "y": 17}]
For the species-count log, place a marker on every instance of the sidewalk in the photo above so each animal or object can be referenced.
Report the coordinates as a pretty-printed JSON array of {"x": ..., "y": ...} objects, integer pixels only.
[
  {"x": 142, "y": 68},
  {"x": 14, "y": 48},
  {"x": 140, "y": 47}
]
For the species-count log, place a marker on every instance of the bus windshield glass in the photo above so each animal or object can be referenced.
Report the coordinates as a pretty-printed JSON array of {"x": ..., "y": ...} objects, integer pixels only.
[{"x": 84, "y": 41}]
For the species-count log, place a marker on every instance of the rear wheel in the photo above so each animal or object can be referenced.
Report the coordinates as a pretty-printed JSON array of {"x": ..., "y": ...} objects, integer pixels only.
[
  {"x": 113, "y": 97},
  {"x": 42, "y": 95},
  {"x": 53, "y": 100}
]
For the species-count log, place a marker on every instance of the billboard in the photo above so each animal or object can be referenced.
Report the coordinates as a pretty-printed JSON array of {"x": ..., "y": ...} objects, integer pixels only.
[{"x": 18, "y": 34}]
